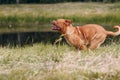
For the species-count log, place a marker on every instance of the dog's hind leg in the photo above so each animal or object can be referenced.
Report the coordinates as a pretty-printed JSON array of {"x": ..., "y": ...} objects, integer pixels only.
[{"x": 97, "y": 41}]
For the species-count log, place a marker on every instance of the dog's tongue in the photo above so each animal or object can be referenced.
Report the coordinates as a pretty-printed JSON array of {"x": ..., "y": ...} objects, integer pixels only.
[{"x": 55, "y": 27}]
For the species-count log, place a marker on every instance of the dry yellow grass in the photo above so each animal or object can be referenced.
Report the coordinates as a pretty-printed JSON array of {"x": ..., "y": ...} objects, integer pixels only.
[
  {"x": 60, "y": 9},
  {"x": 47, "y": 62}
]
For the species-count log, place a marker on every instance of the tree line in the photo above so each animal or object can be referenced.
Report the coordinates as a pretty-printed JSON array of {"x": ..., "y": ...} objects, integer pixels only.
[{"x": 52, "y": 1}]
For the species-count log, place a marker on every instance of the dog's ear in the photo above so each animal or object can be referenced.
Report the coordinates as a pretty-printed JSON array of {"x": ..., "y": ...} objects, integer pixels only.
[{"x": 68, "y": 22}]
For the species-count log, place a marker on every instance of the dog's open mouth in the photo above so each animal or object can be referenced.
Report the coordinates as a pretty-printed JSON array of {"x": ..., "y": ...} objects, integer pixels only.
[{"x": 55, "y": 27}]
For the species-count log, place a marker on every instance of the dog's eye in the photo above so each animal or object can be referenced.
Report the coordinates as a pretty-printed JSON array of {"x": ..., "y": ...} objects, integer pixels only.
[{"x": 65, "y": 24}]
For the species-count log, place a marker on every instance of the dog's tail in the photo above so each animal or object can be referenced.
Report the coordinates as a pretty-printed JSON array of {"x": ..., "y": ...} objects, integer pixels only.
[{"x": 114, "y": 33}]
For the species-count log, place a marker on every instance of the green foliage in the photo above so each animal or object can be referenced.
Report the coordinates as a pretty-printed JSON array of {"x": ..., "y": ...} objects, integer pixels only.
[
  {"x": 19, "y": 22},
  {"x": 53, "y": 1}
]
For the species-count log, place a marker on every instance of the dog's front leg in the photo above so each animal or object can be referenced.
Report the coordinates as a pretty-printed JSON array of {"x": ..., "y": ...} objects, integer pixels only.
[{"x": 82, "y": 47}]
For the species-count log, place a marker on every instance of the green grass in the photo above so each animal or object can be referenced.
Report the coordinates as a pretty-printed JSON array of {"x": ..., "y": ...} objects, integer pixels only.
[
  {"x": 62, "y": 62},
  {"x": 23, "y": 17}
]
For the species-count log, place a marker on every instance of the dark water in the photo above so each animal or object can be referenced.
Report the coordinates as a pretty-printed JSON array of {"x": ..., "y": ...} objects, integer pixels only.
[
  {"x": 29, "y": 38},
  {"x": 23, "y": 38}
]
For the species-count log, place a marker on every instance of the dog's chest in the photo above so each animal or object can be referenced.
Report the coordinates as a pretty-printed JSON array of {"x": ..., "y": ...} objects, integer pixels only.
[
  {"x": 72, "y": 40},
  {"x": 69, "y": 40}
]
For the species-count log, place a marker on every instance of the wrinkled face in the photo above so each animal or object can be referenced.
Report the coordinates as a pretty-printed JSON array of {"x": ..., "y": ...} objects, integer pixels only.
[{"x": 60, "y": 24}]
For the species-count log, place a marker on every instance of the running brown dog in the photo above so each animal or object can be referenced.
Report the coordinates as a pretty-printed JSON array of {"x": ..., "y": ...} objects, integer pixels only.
[{"x": 89, "y": 36}]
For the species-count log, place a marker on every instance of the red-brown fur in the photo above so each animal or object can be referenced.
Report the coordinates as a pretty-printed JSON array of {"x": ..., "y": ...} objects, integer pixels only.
[{"x": 89, "y": 36}]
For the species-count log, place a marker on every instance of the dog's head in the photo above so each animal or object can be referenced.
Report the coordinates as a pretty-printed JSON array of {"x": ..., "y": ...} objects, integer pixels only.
[{"x": 61, "y": 24}]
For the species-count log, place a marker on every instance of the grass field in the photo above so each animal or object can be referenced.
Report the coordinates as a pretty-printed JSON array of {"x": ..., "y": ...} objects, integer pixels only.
[
  {"x": 23, "y": 17},
  {"x": 48, "y": 62},
  {"x": 43, "y": 61}
]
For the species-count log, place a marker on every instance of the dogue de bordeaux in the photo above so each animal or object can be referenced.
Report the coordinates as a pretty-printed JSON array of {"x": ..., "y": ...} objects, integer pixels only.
[{"x": 89, "y": 36}]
